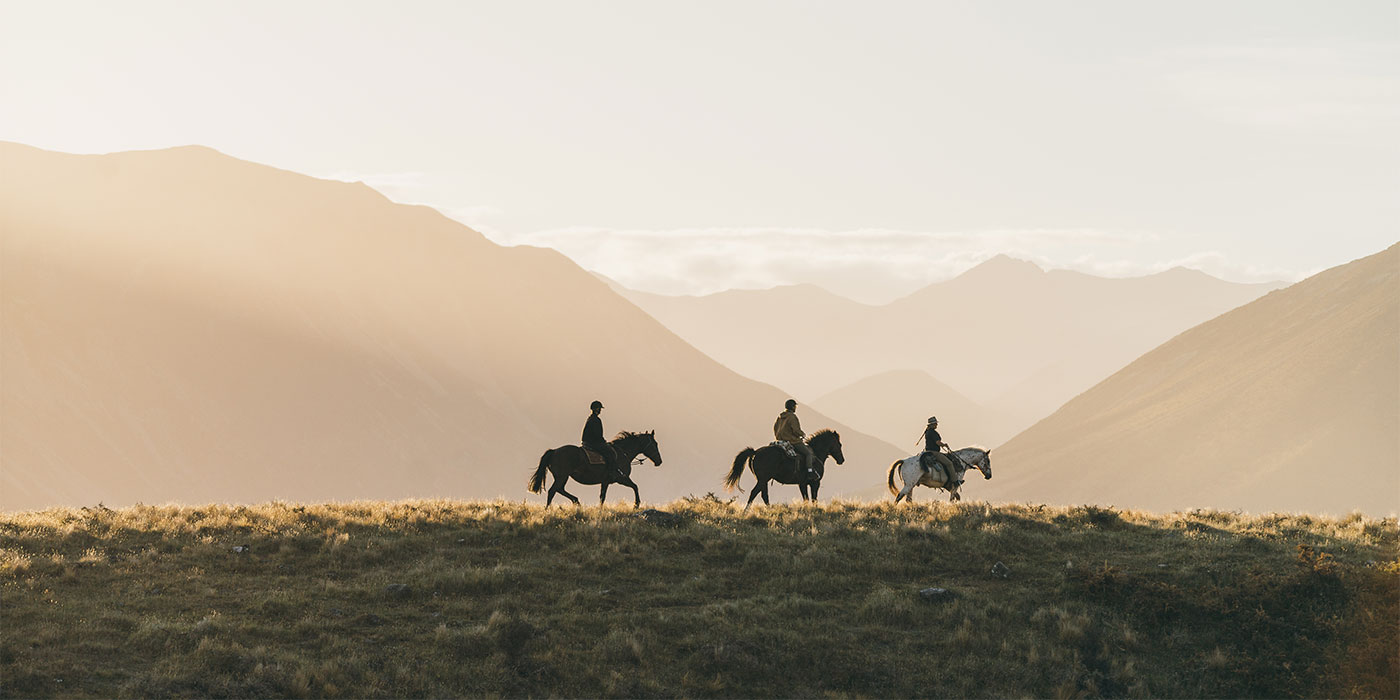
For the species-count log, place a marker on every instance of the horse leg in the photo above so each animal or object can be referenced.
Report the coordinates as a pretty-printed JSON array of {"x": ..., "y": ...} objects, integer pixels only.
[
  {"x": 753, "y": 493},
  {"x": 815, "y": 485},
  {"x": 802, "y": 487},
  {"x": 765, "y": 493},
  {"x": 603, "y": 494},
  {"x": 629, "y": 483},
  {"x": 553, "y": 489},
  {"x": 558, "y": 487}
]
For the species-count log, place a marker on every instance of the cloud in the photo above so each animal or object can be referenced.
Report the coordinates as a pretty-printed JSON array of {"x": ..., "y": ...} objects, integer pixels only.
[{"x": 869, "y": 265}]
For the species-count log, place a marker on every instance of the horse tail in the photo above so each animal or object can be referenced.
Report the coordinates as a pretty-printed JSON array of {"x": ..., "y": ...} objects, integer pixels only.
[
  {"x": 537, "y": 479},
  {"x": 737, "y": 470},
  {"x": 893, "y": 466}
]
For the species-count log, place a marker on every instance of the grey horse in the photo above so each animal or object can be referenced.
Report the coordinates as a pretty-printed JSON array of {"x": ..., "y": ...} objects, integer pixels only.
[{"x": 913, "y": 473}]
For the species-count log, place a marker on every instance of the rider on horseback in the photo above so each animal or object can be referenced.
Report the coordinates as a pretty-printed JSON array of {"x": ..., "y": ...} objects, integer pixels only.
[
  {"x": 933, "y": 441},
  {"x": 788, "y": 429},
  {"x": 593, "y": 438}
]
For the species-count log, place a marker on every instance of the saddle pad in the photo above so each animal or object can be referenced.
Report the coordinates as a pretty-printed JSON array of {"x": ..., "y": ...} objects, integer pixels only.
[
  {"x": 786, "y": 446},
  {"x": 927, "y": 466},
  {"x": 594, "y": 457},
  {"x": 931, "y": 467}
]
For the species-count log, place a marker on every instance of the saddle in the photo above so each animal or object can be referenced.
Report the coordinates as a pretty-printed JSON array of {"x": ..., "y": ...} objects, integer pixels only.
[
  {"x": 785, "y": 446},
  {"x": 932, "y": 466},
  {"x": 594, "y": 457}
]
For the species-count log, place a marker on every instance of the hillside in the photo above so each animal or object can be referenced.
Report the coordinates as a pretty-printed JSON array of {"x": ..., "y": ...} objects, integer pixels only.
[
  {"x": 1291, "y": 402},
  {"x": 772, "y": 335},
  {"x": 180, "y": 325},
  {"x": 444, "y": 598},
  {"x": 894, "y": 406},
  {"x": 1015, "y": 339}
]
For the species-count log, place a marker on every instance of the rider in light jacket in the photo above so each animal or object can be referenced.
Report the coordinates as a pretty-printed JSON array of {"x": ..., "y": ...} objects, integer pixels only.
[{"x": 788, "y": 429}]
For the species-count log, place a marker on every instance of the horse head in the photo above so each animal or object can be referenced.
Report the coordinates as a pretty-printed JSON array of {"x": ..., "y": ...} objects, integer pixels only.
[
  {"x": 984, "y": 464},
  {"x": 632, "y": 444},
  {"x": 827, "y": 443},
  {"x": 652, "y": 449}
]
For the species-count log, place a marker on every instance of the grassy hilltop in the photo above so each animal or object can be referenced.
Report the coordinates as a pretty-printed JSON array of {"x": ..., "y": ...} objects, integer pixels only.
[{"x": 442, "y": 598}]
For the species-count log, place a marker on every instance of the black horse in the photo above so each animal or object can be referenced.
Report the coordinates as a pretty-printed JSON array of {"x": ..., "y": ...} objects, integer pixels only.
[
  {"x": 771, "y": 463},
  {"x": 570, "y": 461}
]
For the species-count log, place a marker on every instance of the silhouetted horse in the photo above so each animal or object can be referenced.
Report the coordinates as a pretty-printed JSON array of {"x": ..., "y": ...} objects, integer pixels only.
[
  {"x": 771, "y": 463},
  {"x": 913, "y": 473},
  {"x": 570, "y": 462}
]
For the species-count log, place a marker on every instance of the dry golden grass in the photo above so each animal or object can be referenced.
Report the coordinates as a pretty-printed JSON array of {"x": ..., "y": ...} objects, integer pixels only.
[{"x": 508, "y": 599}]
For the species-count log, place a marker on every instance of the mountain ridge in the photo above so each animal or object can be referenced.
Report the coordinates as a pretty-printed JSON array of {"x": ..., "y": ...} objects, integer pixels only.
[
  {"x": 241, "y": 332},
  {"x": 979, "y": 333},
  {"x": 1280, "y": 389}
]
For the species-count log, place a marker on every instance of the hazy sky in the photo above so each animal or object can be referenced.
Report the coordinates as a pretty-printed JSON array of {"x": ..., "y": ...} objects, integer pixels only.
[{"x": 690, "y": 147}]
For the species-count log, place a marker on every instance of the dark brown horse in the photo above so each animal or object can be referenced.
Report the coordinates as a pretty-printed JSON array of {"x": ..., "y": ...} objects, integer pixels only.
[
  {"x": 570, "y": 462},
  {"x": 771, "y": 463}
]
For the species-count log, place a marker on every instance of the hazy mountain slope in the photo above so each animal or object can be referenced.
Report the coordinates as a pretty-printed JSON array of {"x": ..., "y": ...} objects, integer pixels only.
[
  {"x": 1017, "y": 322},
  {"x": 1006, "y": 334},
  {"x": 772, "y": 334},
  {"x": 1291, "y": 402},
  {"x": 894, "y": 406},
  {"x": 181, "y": 325}
]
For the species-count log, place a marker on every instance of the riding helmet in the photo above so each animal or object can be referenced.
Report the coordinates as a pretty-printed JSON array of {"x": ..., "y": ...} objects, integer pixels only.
[
  {"x": 932, "y": 419},
  {"x": 790, "y": 404},
  {"x": 595, "y": 405}
]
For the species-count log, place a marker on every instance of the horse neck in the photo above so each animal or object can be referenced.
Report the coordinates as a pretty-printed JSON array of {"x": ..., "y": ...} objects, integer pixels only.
[
  {"x": 970, "y": 455},
  {"x": 627, "y": 448},
  {"x": 822, "y": 449}
]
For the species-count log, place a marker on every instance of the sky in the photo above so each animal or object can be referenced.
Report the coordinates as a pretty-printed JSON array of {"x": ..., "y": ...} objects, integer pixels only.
[{"x": 691, "y": 147}]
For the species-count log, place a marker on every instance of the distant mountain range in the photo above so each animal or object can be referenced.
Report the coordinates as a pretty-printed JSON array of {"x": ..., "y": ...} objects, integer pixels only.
[
  {"x": 180, "y": 325},
  {"x": 894, "y": 406},
  {"x": 1016, "y": 340},
  {"x": 1291, "y": 402}
]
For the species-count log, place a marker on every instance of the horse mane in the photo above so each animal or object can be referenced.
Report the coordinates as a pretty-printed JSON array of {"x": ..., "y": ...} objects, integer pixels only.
[
  {"x": 819, "y": 433},
  {"x": 973, "y": 447},
  {"x": 626, "y": 435}
]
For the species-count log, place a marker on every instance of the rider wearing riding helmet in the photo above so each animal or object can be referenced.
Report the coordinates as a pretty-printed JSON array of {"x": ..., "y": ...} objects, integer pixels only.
[
  {"x": 933, "y": 441},
  {"x": 593, "y": 437}
]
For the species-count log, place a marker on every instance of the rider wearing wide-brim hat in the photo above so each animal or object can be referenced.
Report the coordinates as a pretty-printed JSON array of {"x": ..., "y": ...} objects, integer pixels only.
[{"x": 933, "y": 441}]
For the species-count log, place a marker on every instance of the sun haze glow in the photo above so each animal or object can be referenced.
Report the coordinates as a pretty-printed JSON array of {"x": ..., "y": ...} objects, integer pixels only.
[{"x": 1254, "y": 140}]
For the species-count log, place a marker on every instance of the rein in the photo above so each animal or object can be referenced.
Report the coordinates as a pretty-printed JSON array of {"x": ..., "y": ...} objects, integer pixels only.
[
  {"x": 954, "y": 455},
  {"x": 639, "y": 457}
]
